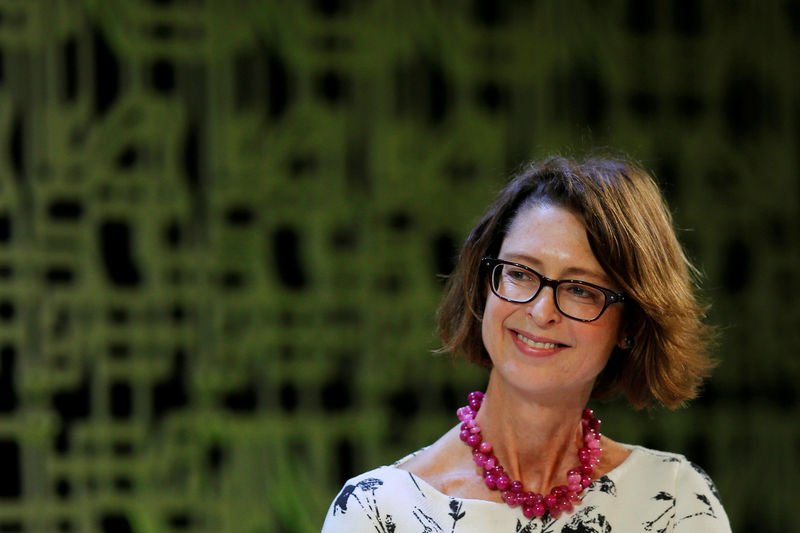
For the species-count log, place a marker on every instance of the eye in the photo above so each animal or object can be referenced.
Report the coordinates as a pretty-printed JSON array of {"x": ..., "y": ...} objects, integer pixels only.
[
  {"x": 517, "y": 274},
  {"x": 577, "y": 291}
]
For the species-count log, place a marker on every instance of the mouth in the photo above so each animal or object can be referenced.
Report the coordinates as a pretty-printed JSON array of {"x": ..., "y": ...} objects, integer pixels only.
[{"x": 538, "y": 344}]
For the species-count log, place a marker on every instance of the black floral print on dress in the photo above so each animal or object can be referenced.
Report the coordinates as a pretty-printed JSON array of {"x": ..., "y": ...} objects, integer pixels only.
[{"x": 650, "y": 491}]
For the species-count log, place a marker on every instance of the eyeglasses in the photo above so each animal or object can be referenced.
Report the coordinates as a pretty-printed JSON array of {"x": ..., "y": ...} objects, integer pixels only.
[{"x": 575, "y": 299}]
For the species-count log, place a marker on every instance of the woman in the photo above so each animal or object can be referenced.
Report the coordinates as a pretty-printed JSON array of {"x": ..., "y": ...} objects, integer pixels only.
[{"x": 572, "y": 286}]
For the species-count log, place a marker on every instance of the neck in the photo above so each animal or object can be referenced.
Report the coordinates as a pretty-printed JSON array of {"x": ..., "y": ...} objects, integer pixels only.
[{"x": 535, "y": 439}]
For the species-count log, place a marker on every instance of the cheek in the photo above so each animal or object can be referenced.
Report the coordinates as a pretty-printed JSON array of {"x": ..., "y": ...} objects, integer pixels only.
[
  {"x": 486, "y": 324},
  {"x": 494, "y": 315},
  {"x": 605, "y": 338}
]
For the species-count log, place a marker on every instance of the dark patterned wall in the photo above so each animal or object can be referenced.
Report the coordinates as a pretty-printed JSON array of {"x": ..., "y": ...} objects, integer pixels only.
[{"x": 222, "y": 225}]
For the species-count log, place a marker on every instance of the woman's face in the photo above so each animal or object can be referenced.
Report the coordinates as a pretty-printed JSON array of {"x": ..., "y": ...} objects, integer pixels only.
[{"x": 534, "y": 348}]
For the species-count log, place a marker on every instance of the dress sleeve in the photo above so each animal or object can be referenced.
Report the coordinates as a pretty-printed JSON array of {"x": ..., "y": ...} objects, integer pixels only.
[
  {"x": 358, "y": 508},
  {"x": 340, "y": 522},
  {"x": 698, "y": 507}
]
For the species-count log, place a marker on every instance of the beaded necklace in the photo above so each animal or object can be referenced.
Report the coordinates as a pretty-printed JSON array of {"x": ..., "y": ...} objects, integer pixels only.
[{"x": 561, "y": 498}]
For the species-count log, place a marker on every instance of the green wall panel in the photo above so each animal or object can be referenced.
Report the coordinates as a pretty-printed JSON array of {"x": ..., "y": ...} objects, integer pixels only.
[{"x": 223, "y": 226}]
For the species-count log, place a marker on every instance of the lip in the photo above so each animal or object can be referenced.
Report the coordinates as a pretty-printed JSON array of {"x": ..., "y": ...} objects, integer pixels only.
[{"x": 533, "y": 351}]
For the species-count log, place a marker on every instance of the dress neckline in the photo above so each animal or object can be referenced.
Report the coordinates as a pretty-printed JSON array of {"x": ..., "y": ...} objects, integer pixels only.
[{"x": 614, "y": 474}]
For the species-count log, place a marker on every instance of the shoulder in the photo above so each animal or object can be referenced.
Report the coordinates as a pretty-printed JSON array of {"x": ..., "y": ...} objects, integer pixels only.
[
  {"x": 373, "y": 485},
  {"x": 370, "y": 500},
  {"x": 672, "y": 470},
  {"x": 682, "y": 486},
  {"x": 445, "y": 468},
  {"x": 666, "y": 465}
]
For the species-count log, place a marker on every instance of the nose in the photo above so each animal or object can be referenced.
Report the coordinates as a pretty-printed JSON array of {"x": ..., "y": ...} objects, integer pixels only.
[{"x": 543, "y": 309}]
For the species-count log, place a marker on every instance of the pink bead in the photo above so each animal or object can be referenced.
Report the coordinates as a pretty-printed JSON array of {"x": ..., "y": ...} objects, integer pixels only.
[
  {"x": 528, "y": 499},
  {"x": 539, "y": 509},
  {"x": 586, "y": 481},
  {"x": 516, "y": 486},
  {"x": 503, "y": 482},
  {"x": 573, "y": 477},
  {"x": 498, "y": 471},
  {"x": 476, "y": 395},
  {"x": 528, "y": 511},
  {"x": 475, "y": 430},
  {"x": 575, "y": 487},
  {"x": 593, "y": 444},
  {"x": 550, "y": 500},
  {"x": 486, "y": 447},
  {"x": 490, "y": 482},
  {"x": 479, "y": 458},
  {"x": 510, "y": 498},
  {"x": 588, "y": 413},
  {"x": 475, "y": 404},
  {"x": 473, "y": 439},
  {"x": 491, "y": 462},
  {"x": 464, "y": 435}
]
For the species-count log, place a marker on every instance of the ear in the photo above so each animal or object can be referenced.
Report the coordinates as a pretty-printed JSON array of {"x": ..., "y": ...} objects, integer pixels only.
[{"x": 625, "y": 341}]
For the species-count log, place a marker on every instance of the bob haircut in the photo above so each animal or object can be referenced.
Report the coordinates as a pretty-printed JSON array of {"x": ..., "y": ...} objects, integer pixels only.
[{"x": 631, "y": 234}]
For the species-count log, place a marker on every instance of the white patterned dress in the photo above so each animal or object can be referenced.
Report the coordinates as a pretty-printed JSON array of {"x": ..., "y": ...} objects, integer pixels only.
[{"x": 651, "y": 491}]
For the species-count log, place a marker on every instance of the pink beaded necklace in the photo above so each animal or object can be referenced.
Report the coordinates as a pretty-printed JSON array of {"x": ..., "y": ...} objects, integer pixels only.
[{"x": 562, "y": 498}]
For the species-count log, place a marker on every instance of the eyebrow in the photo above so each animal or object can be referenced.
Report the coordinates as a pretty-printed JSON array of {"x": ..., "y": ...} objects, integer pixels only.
[{"x": 569, "y": 272}]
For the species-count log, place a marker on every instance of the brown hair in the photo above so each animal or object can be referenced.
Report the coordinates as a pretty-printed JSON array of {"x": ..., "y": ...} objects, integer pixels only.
[{"x": 631, "y": 234}]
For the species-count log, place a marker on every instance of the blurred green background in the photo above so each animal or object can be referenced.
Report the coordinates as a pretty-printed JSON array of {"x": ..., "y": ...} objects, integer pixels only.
[{"x": 223, "y": 226}]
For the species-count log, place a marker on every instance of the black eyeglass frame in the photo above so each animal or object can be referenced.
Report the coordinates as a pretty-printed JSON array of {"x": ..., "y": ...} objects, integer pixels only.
[{"x": 612, "y": 297}]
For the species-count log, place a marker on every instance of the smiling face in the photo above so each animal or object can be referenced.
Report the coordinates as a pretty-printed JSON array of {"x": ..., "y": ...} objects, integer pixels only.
[{"x": 533, "y": 347}]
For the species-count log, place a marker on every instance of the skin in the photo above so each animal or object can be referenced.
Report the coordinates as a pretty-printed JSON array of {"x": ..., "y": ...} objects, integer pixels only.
[{"x": 535, "y": 396}]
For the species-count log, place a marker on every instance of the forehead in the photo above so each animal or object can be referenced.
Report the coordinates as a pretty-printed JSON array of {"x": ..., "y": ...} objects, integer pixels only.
[
  {"x": 545, "y": 221},
  {"x": 551, "y": 238}
]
